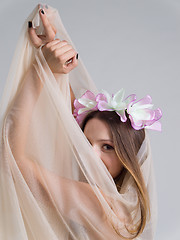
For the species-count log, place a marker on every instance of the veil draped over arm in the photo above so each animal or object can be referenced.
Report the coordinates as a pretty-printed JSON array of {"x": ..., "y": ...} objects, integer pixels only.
[{"x": 52, "y": 185}]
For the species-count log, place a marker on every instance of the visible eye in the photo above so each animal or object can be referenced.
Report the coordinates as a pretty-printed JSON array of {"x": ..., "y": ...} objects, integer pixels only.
[{"x": 107, "y": 147}]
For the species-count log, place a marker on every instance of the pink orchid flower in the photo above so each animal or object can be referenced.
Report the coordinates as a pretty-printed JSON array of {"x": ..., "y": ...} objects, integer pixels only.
[
  {"x": 86, "y": 103},
  {"x": 142, "y": 115},
  {"x": 116, "y": 103}
]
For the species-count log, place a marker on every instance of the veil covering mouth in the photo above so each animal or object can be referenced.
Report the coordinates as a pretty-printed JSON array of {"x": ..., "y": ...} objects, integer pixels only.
[{"x": 52, "y": 185}]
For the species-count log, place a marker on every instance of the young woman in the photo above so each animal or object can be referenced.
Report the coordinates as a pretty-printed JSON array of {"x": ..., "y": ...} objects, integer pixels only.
[{"x": 62, "y": 189}]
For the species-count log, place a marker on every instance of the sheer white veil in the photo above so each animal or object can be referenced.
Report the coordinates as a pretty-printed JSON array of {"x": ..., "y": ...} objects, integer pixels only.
[{"x": 52, "y": 185}]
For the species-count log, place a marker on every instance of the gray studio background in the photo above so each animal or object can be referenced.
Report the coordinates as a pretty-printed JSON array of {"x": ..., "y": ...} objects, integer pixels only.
[{"x": 133, "y": 44}]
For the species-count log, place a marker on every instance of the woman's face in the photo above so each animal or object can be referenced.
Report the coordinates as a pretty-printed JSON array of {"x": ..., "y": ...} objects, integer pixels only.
[{"x": 99, "y": 135}]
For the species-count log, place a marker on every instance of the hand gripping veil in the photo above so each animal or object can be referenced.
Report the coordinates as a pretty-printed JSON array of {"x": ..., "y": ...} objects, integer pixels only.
[{"x": 52, "y": 185}]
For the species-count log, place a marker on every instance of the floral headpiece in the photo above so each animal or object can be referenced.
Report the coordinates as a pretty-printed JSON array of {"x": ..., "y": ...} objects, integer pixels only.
[{"x": 140, "y": 112}]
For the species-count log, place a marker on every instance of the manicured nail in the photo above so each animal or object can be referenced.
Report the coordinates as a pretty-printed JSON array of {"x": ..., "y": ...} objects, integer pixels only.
[
  {"x": 41, "y": 6},
  {"x": 42, "y": 11},
  {"x": 46, "y": 6},
  {"x": 77, "y": 56},
  {"x": 30, "y": 24}
]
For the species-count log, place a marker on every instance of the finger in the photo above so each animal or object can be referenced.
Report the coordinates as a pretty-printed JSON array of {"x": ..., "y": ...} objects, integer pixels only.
[
  {"x": 61, "y": 48},
  {"x": 54, "y": 29},
  {"x": 33, "y": 36},
  {"x": 52, "y": 43},
  {"x": 73, "y": 62},
  {"x": 44, "y": 41},
  {"x": 67, "y": 56},
  {"x": 56, "y": 44},
  {"x": 49, "y": 30},
  {"x": 75, "y": 59},
  {"x": 68, "y": 67}
]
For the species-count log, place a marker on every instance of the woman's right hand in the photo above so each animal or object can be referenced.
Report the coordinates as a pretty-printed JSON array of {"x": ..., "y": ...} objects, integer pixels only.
[{"x": 60, "y": 55}]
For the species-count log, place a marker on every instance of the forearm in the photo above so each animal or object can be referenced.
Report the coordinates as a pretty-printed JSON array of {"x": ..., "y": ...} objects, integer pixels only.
[
  {"x": 21, "y": 111},
  {"x": 65, "y": 88}
]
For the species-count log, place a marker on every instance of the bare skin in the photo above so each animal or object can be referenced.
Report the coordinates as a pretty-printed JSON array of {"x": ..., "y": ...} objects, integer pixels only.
[
  {"x": 18, "y": 132},
  {"x": 57, "y": 53},
  {"x": 60, "y": 55},
  {"x": 100, "y": 137}
]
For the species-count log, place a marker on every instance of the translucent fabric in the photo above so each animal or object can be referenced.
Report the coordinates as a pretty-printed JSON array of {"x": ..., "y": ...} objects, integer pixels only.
[{"x": 52, "y": 184}]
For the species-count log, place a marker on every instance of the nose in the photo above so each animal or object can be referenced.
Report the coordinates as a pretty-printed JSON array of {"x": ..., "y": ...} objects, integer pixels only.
[
  {"x": 96, "y": 150},
  {"x": 99, "y": 153}
]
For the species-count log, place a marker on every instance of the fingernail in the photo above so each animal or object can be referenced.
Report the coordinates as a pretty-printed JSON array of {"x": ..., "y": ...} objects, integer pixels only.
[
  {"x": 46, "y": 6},
  {"x": 30, "y": 24},
  {"x": 42, "y": 11},
  {"x": 77, "y": 56},
  {"x": 41, "y": 6}
]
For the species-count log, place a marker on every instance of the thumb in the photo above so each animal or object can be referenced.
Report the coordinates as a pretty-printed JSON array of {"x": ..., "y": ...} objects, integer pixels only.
[{"x": 36, "y": 41}]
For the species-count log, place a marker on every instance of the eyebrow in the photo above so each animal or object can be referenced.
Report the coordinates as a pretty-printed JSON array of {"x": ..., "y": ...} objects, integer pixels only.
[{"x": 104, "y": 140}]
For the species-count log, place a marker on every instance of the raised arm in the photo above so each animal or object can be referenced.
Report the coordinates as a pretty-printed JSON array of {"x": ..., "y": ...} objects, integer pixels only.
[
  {"x": 52, "y": 185},
  {"x": 74, "y": 200},
  {"x": 60, "y": 55}
]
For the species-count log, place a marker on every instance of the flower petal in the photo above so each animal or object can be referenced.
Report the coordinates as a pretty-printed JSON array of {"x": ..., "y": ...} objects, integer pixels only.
[
  {"x": 131, "y": 98},
  {"x": 122, "y": 115},
  {"x": 87, "y": 102},
  {"x": 80, "y": 118},
  {"x": 146, "y": 100},
  {"x": 158, "y": 113},
  {"x": 77, "y": 105},
  {"x": 101, "y": 97},
  {"x": 89, "y": 95},
  {"x": 104, "y": 106},
  {"x": 82, "y": 110},
  {"x": 143, "y": 114},
  {"x": 143, "y": 103},
  {"x": 119, "y": 96},
  {"x": 155, "y": 126},
  {"x": 107, "y": 95},
  {"x": 136, "y": 124}
]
